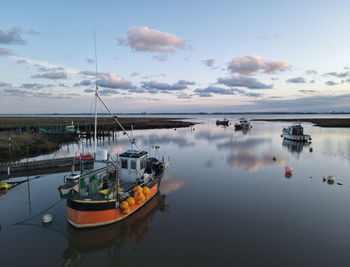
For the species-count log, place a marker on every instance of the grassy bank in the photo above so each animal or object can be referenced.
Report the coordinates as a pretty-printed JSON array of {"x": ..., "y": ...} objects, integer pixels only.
[
  {"x": 321, "y": 122},
  {"x": 39, "y": 144},
  {"x": 14, "y": 146},
  {"x": 11, "y": 123}
]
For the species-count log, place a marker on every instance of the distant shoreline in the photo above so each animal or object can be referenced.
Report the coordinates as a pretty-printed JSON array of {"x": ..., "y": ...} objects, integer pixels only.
[
  {"x": 171, "y": 113},
  {"x": 321, "y": 122}
]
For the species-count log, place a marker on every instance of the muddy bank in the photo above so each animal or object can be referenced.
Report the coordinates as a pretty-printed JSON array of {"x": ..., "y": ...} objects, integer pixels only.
[{"x": 321, "y": 122}]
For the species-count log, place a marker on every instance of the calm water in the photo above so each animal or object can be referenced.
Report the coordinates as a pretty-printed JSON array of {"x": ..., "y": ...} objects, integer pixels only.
[{"x": 224, "y": 201}]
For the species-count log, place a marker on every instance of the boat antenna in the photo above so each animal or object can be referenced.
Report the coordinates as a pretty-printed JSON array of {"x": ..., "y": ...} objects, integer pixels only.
[
  {"x": 132, "y": 140},
  {"x": 96, "y": 95}
]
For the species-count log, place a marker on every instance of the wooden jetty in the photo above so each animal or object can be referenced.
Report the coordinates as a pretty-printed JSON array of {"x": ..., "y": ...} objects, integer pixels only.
[{"x": 36, "y": 165}]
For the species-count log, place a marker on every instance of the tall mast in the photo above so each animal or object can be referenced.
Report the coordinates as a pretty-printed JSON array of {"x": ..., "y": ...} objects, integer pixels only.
[{"x": 96, "y": 95}]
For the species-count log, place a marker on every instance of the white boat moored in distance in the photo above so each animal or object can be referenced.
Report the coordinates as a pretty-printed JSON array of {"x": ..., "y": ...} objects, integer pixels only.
[{"x": 296, "y": 133}]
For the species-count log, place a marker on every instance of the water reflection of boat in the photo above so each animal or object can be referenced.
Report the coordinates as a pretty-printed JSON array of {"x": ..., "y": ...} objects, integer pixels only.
[
  {"x": 112, "y": 237},
  {"x": 295, "y": 133},
  {"x": 224, "y": 122},
  {"x": 294, "y": 146},
  {"x": 242, "y": 124}
]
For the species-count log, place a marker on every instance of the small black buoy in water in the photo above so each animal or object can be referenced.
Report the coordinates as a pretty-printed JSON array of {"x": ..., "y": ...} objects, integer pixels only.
[{"x": 274, "y": 158}]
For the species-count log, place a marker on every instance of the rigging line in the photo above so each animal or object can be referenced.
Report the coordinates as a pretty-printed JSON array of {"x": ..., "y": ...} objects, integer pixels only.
[
  {"x": 20, "y": 222},
  {"x": 121, "y": 126}
]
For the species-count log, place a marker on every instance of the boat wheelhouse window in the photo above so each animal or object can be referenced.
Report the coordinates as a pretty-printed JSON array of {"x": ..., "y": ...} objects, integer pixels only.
[
  {"x": 143, "y": 163},
  {"x": 132, "y": 164},
  {"x": 124, "y": 163}
]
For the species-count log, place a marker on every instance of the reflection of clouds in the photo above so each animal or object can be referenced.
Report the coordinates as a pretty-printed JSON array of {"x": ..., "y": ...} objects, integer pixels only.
[
  {"x": 156, "y": 139},
  {"x": 251, "y": 143},
  {"x": 210, "y": 136},
  {"x": 117, "y": 147},
  {"x": 247, "y": 161},
  {"x": 171, "y": 183},
  {"x": 209, "y": 164}
]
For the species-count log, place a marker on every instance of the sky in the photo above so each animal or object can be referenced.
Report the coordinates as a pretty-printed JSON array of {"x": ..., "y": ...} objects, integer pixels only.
[{"x": 175, "y": 56}]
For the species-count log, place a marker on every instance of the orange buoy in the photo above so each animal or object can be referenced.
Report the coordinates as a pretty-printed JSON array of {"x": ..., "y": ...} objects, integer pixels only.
[
  {"x": 126, "y": 211},
  {"x": 131, "y": 201},
  {"x": 137, "y": 188},
  {"x": 138, "y": 195},
  {"x": 124, "y": 205},
  {"x": 145, "y": 191}
]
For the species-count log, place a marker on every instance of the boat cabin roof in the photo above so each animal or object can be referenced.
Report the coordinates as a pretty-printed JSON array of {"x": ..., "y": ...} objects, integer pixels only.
[{"x": 133, "y": 154}]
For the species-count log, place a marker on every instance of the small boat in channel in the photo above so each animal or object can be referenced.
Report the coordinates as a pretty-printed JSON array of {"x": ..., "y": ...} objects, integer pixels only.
[
  {"x": 295, "y": 133},
  {"x": 224, "y": 122},
  {"x": 242, "y": 124}
]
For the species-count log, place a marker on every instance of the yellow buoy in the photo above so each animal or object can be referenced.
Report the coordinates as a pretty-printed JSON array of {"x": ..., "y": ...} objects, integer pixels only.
[
  {"x": 124, "y": 205},
  {"x": 131, "y": 201},
  {"x": 145, "y": 191},
  {"x": 126, "y": 211},
  {"x": 137, "y": 188},
  {"x": 138, "y": 195},
  {"x": 4, "y": 186}
]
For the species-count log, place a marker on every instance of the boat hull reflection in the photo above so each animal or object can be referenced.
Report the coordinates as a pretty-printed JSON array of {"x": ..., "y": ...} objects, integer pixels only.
[{"x": 114, "y": 236}]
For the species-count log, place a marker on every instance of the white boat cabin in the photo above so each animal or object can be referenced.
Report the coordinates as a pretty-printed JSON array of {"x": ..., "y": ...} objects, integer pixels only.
[{"x": 132, "y": 165}]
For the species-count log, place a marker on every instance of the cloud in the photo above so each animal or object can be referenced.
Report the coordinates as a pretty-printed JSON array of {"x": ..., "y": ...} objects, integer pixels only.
[
  {"x": 296, "y": 80},
  {"x": 114, "y": 81},
  {"x": 89, "y": 90},
  {"x": 161, "y": 57},
  {"x": 157, "y": 87},
  {"x": 184, "y": 96},
  {"x": 209, "y": 62},
  {"x": 28, "y": 93},
  {"x": 2, "y": 84},
  {"x": 5, "y": 52},
  {"x": 83, "y": 83},
  {"x": 91, "y": 73},
  {"x": 90, "y": 61},
  {"x": 240, "y": 81},
  {"x": 149, "y": 40},
  {"x": 63, "y": 85},
  {"x": 51, "y": 75},
  {"x": 32, "y": 32},
  {"x": 35, "y": 86},
  {"x": 337, "y": 74},
  {"x": 330, "y": 83},
  {"x": 250, "y": 65},
  {"x": 134, "y": 74},
  {"x": 21, "y": 61},
  {"x": 302, "y": 104},
  {"x": 307, "y": 91},
  {"x": 208, "y": 91},
  {"x": 309, "y": 72},
  {"x": 53, "y": 69},
  {"x": 12, "y": 36}
]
